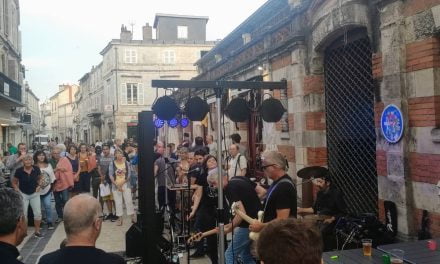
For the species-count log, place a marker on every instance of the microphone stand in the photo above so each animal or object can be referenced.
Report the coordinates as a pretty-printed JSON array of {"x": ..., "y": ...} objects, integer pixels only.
[{"x": 188, "y": 224}]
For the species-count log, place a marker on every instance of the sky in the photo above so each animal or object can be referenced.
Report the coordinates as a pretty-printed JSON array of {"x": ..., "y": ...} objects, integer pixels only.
[{"x": 61, "y": 39}]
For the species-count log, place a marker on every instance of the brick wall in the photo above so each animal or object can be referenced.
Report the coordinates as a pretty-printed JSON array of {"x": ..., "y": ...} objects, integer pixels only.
[
  {"x": 288, "y": 152},
  {"x": 317, "y": 156},
  {"x": 378, "y": 109},
  {"x": 424, "y": 167},
  {"x": 434, "y": 220},
  {"x": 424, "y": 111},
  {"x": 377, "y": 65},
  {"x": 313, "y": 84},
  {"x": 423, "y": 54},
  {"x": 315, "y": 121},
  {"x": 415, "y": 6},
  {"x": 281, "y": 61},
  {"x": 381, "y": 163}
]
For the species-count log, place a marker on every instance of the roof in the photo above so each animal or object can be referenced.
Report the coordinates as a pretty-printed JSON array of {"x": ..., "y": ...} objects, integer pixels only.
[{"x": 178, "y": 16}]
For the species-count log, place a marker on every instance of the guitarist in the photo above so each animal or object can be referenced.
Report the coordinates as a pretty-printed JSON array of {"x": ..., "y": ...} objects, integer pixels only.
[{"x": 280, "y": 201}]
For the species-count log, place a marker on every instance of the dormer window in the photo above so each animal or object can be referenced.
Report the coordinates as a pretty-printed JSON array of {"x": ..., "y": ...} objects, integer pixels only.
[{"x": 182, "y": 32}]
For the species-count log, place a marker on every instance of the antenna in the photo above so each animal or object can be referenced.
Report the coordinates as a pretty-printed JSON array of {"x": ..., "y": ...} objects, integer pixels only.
[{"x": 132, "y": 23}]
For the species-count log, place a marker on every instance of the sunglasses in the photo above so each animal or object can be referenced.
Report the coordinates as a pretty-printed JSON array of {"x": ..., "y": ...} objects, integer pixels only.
[{"x": 267, "y": 166}]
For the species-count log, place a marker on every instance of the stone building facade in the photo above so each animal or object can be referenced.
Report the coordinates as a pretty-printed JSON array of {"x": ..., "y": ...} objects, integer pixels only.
[
  {"x": 344, "y": 61},
  {"x": 11, "y": 73},
  {"x": 114, "y": 92},
  {"x": 62, "y": 104}
]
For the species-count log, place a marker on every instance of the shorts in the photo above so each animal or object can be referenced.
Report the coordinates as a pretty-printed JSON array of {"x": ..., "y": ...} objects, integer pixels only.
[{"x": 107, "y": 198}]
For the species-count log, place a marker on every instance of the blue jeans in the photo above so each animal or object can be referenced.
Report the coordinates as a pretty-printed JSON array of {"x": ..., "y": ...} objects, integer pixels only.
[
  {"x": 241, "y": 244},
  {"x": 45, "y": 203},
  {"x": 60, "y": 200}
]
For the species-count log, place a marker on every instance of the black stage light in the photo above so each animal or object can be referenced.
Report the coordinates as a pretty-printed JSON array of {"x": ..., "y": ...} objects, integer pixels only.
[
  {"x": 238, "y": 110},
  {"x": 272, "y": 110},
  {"x": 165, "y": 108},
  {"x": 196, "y": 109}
]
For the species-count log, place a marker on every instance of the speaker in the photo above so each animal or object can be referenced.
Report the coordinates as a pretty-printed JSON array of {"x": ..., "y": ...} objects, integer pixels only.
[{"x": 134, "y": 241}]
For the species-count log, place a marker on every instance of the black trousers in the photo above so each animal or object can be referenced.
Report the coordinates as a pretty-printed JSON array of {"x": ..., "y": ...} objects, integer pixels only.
[
  {"x": 84, "y": 182},
  {"x": 206, "y": 220}
]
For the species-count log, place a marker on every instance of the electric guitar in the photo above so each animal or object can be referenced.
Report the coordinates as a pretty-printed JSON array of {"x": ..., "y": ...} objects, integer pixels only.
[
  {"x": 199, "y": 236},
  {"x": 236, "y": 210}
]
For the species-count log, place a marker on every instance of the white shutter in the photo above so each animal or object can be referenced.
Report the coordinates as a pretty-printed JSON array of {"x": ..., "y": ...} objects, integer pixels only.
[
  {"x": 127, "y": 56},
  {"x": 123, "y": 94},
  {"x": 140, "y": 94}
]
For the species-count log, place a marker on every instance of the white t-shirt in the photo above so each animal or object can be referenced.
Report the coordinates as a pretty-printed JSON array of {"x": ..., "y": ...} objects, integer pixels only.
[
  {"x": 48, "y": 171},
  {"x": 212, "y": 149},
  {"x": 242, "y": 164}
]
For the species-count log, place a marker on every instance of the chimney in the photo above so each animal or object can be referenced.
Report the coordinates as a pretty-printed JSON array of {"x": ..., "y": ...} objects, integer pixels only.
[
  {"x": 126, "y": 35},
  {"x": 147, "y": 32}
]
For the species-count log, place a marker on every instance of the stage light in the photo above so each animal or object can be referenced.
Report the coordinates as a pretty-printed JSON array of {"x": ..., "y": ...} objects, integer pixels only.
[
  {"x": 272, "y": 110},
  {"x": 184, "y": 122},
  {"x": 165, "y": 108},
  {"x": 196, "y": 109},
  {"x": 238, "y": 110},
  {"x": 158, "y": 123},
  {"x": 173, "y": 123}
]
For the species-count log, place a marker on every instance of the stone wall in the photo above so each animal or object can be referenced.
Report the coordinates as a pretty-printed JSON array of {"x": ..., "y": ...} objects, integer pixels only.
[{"x": 406, "y": 72}]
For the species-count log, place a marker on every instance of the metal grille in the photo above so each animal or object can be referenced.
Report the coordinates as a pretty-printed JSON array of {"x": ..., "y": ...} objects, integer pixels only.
[{"x": 351, "y": 137}]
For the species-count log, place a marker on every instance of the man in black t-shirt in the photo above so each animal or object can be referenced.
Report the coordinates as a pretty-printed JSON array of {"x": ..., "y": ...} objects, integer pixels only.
[
  {"x": 280, "y": 201},
  {"x": 82, "y": 223}
]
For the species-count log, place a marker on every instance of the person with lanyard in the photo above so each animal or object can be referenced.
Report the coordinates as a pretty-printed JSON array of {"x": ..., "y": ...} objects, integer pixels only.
[
  {"x": 329, "y": 203},
  {"x": 27, "y": 180},
  {"x": 280, "y": 201},
  {"x": 73, "y": 158},
  {"x": 47, "y": 180},
  {"x": 119, "y": 172},
  {"x": 237, "y": 163}
]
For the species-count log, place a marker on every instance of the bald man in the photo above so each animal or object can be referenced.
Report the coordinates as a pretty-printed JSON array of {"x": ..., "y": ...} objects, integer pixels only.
[{"x": 82, "y": 223}]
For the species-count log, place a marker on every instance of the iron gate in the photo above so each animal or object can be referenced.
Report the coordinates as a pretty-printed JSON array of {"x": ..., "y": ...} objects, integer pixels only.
[{"x": 351, "y": 137}]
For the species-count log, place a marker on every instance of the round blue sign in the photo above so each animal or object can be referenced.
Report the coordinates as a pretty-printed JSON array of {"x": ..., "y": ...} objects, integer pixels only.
[{"x": 391, "y": 123}]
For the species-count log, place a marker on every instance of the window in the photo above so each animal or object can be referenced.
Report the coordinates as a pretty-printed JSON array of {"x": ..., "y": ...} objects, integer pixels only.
[
  {"x": 132, "y": 94},
  {"x": 182, "y": 32},
  {"x": 169, "y": 57},
  {"x": 130, "y": 56}
]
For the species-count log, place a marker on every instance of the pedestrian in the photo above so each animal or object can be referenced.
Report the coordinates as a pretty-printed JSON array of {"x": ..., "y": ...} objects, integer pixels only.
[
  {"x": 198, "y": 145},
  {"x": 73, "y": 158},
  {"x": 13, "y": 226},
  {"x": 93, "y": 170},
  {"x": 15, "y": 161},
  {"x": 82, "y": 223},
  {"x": 84, "y": 176},
  {"x": 212, "y": 145},
  {"x": 236, "y": 139},
  {"x": 134, "y": 161},
  {"x": 104, "y": 161},
  {"x": 27, "y": 180},
  {"x": 237, "y": 163},
  {"x": 11, "y": 149},
  {"x": 119, "y": 172},
  {"x": 47, "y": 180},
  {"x": 64, "y": 180},
  {"x": 171, "y": 152}
]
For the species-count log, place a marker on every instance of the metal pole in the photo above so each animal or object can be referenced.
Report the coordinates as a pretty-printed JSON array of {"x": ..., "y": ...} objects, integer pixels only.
[{"x": 221, "y": 234}]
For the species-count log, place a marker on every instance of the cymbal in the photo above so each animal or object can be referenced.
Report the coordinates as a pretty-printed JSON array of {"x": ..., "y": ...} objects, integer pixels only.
[{"x": 312, "y": 172}]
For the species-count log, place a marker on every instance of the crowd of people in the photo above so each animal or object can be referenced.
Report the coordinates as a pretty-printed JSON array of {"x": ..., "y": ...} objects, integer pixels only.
[{"x": 108, "y": 171}]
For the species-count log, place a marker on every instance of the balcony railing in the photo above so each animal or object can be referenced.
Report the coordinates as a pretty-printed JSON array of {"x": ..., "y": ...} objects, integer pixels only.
[{"x": 10, "y": 89}]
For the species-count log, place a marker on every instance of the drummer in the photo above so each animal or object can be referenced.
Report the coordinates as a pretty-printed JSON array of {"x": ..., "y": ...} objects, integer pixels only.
[{"x": 329, "y": 202}]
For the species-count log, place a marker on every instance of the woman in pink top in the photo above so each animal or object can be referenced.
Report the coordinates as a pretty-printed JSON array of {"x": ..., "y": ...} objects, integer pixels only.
[{"x": 63, "y": 181}]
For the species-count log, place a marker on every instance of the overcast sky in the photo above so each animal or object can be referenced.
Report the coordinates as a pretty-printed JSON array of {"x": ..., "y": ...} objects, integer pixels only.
[{"x": 62, "y": 38}]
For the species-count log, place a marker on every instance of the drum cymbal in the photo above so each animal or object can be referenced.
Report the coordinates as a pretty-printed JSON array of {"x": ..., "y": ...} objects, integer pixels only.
[{"x": 312, "y": 172}]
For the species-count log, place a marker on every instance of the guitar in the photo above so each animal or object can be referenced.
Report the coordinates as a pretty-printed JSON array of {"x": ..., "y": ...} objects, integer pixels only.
[
  {"x": 199, "y": 236},
  {"x": 236, "y": 210}
]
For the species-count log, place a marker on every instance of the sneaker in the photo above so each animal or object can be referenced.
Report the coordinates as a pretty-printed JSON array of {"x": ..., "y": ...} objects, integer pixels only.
[
  {"x": 59, "y": 220},
  {"x": 114, "y": 218},
  {"x": 108, "y": 217},
  {"x": 50, "y": 227},
  {"x": 38, "y": 235}
]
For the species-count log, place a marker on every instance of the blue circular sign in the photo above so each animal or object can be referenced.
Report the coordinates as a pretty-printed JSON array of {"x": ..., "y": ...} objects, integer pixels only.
[
  {"x": 184, "y": 122},
  {"x": 391, "y": 123}
]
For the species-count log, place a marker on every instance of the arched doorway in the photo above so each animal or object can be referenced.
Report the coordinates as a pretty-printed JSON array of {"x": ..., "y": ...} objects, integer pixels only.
[{"x": 351, "y": 136}]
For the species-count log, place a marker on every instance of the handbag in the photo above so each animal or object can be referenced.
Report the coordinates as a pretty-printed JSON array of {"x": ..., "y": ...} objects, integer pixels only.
[{"x": 104, "y": 190}]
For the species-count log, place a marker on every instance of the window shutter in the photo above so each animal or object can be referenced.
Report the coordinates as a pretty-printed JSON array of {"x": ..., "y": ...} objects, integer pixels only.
[
  {"x": 123, "y": 94},
  {"x": 140, "y": 94}
]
